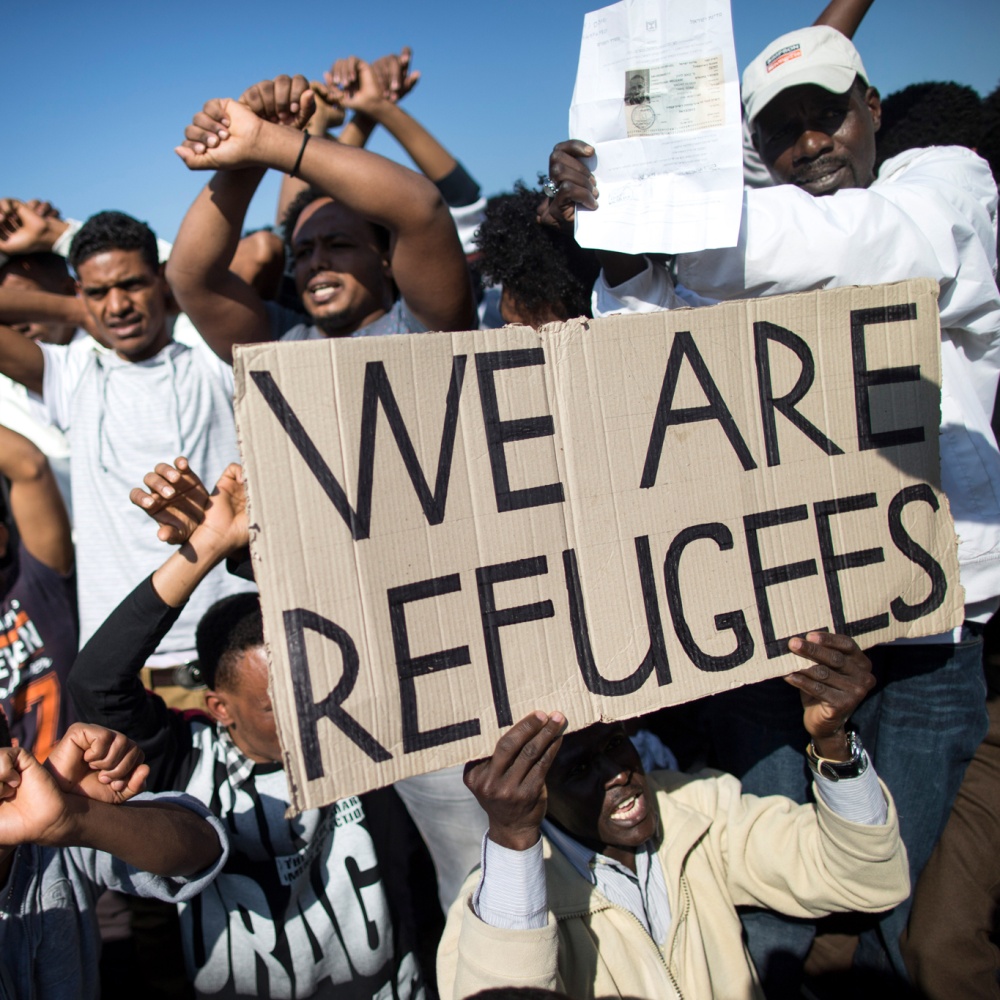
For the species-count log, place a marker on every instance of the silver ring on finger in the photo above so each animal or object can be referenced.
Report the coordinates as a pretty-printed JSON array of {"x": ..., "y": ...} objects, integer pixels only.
[{"x": 550, "y": 188}]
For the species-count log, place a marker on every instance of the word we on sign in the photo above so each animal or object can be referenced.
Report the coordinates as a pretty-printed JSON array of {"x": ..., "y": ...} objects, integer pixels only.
[{"x": 604, "y": 518}]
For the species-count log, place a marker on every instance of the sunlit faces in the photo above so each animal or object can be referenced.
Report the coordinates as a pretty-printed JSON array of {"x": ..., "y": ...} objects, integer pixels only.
[
  {"x": 244, "y": 707},
  {"x": 128, "y": 300},
  {"x": 598, "y": 793},
  {"x": 819, "y": 141},
  {"x": 341, "y": 273}
]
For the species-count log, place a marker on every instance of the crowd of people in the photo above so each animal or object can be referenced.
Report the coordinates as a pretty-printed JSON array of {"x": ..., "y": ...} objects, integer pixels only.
[{"x": 696, "y": 852}]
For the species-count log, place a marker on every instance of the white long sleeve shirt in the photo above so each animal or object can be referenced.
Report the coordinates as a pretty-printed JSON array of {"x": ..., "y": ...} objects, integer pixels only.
[{"x": 931, "y": 213}]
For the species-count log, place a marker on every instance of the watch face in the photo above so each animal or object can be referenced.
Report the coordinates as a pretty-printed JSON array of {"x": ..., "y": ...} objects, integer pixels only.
[{"x": 836, "y": 770}]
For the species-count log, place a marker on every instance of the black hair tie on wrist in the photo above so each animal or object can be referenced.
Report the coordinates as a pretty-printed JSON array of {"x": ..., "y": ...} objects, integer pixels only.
[{"x": 298, "y": 159}]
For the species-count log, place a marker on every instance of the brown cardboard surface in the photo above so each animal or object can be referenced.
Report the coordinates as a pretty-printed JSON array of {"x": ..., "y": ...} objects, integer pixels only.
[{"x": 618, "y": 522}]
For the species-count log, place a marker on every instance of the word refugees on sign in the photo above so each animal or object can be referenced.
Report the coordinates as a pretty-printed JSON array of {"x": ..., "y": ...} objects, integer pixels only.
[{"x": 602, "y": 518}]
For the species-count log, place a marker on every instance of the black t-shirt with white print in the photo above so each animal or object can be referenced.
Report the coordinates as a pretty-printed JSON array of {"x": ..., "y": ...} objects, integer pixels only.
[{"x": 300, "y": 909}]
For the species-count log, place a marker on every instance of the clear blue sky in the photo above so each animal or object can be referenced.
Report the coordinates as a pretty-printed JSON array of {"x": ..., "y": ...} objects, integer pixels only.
[{"x": 97, "y": 95}]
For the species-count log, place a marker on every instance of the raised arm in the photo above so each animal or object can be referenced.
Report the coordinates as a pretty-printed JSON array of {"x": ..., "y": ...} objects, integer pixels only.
[
  {"x": 21, "y": 359},
  {"x": 378, "y": 104},
  {"x": 844, "y": 15},
  {"x": 369, "y": 98},
  {"x": 160, "y": 838},
  {"x": 28, "y": 227},
  {"x": 104, "y": 681},
  {"x": 224, "y": 308},
  {"x": 35, "y": 502},
  {"x": 329, "y": 114},
  {"x": 428, "y": 265},
  {"x": 395, "y": 80},
  {"x": 208, "y": 527}
]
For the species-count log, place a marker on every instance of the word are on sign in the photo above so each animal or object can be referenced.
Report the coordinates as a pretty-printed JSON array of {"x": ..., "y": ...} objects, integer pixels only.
[{"x": 604, "y": 517}]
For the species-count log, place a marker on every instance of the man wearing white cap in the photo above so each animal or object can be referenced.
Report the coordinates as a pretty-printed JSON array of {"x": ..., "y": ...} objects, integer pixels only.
[{"x": 830, "y": 223}]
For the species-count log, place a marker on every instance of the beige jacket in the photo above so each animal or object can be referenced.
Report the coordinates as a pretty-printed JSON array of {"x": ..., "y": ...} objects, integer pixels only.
[{"x": 720, "y": 849}]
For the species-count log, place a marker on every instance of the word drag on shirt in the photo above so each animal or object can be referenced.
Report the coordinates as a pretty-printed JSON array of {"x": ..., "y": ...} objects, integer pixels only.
[{"x": 311, "y": 921}]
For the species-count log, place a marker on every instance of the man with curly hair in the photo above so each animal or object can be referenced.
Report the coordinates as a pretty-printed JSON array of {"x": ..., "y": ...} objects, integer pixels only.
[{"x": 545, "y": 275}]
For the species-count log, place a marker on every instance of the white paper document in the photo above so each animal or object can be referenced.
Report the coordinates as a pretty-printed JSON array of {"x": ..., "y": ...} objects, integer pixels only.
[{"x": 657, "y": 96}]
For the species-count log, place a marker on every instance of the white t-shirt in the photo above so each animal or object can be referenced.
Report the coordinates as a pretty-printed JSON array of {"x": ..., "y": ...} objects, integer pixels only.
[{"x": 121, "y": 418}]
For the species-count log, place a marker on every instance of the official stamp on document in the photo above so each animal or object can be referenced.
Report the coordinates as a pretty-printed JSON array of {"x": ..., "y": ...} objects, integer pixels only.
[{"x": 677, "y": 97}]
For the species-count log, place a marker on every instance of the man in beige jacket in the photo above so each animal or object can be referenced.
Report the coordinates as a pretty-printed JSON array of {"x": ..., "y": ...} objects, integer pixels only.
[{"x": 633, "y": 889}]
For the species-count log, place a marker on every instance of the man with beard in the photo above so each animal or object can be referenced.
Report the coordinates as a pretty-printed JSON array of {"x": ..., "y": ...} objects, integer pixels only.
[{"x": 830, "y": 222}]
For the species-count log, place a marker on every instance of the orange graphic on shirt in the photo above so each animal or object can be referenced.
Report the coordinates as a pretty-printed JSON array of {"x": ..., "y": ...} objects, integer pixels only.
[
  {"x": 43, "y": 695},
  {"x": 6, "y": 638}
]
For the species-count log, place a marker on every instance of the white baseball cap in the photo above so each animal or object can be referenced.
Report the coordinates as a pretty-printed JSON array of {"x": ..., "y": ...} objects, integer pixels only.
[{"x": 819, "y": 55}]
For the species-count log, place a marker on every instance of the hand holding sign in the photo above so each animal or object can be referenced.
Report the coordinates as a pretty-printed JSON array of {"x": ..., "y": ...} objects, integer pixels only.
[
  {"x": 510, "y": 785},
  {"x": 831, "y": 689},
  {"x": 506, "y": 543}
]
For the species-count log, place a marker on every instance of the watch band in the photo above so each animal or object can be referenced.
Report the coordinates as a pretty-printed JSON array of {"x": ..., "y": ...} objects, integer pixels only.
[{"x": 838, "y": 770}]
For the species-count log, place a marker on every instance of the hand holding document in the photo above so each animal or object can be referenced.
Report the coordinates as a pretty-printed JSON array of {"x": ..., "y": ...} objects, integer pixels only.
[{"x": 657, "y": 96}]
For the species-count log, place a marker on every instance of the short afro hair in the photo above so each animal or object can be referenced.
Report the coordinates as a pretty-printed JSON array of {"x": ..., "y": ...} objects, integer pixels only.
[
  {"x": 383, "y": 238},
  {"x": 228, "y": 629},
  {"x": 540, "y": 267},
  {"x": 929, "y": 114},
  {"x": 114, "y": 231},
  {"x": 989, "y": 140}
]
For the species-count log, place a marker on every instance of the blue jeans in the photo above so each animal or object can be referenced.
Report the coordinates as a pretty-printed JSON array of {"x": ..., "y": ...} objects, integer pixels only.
[{"x": 921, "y": 724}]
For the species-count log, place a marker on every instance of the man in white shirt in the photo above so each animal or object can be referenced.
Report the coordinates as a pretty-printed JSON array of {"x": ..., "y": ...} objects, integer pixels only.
[
  {"x": 633, "y": 889},
  {"x": 127, "y": 391},
  {"x": 830, "y": 223}
]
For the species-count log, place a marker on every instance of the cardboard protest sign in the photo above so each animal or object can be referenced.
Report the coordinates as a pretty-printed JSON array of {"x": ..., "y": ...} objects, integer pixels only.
[{"x": 604, "y": 517}]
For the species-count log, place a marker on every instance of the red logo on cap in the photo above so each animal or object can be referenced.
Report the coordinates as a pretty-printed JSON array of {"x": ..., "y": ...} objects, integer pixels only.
[{"x": 783, "y": 55}]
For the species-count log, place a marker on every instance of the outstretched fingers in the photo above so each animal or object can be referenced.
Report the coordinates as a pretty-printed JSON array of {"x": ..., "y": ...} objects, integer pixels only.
[{"x": 176, "y": 498}]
